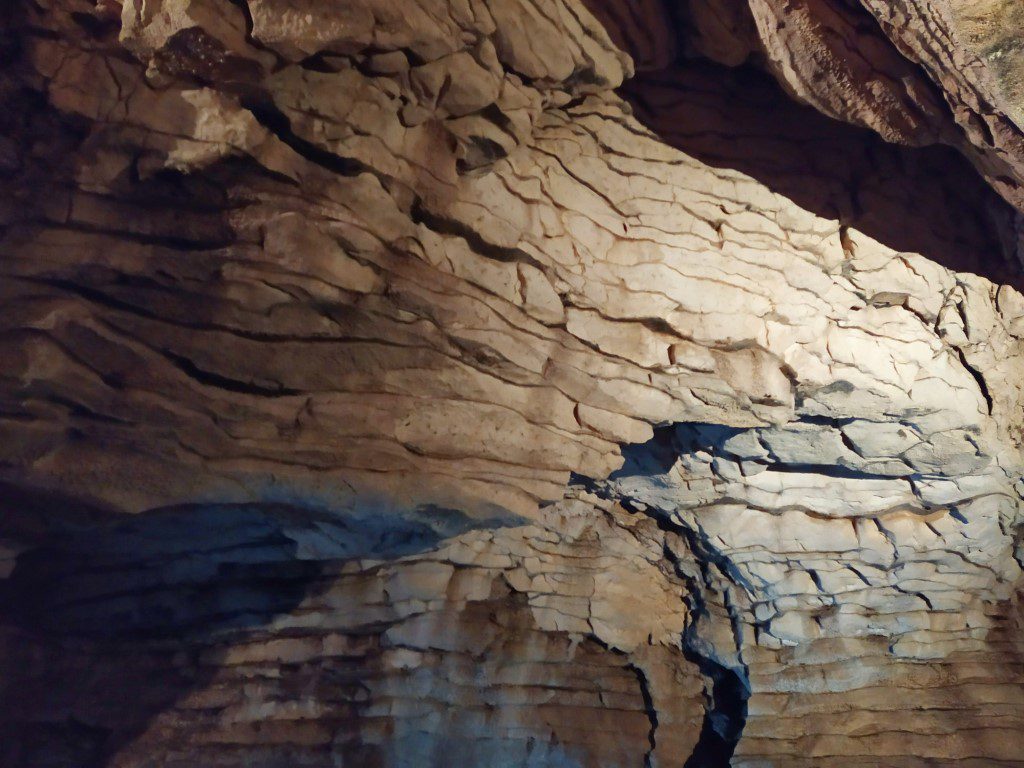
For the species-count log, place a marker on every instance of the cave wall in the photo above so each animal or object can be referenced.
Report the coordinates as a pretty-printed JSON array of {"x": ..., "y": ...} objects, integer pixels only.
[{"x": 510, "y": 382}]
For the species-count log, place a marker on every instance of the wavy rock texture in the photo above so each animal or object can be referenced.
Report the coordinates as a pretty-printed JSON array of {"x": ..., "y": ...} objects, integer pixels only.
[{"x": 511, "y": 382}]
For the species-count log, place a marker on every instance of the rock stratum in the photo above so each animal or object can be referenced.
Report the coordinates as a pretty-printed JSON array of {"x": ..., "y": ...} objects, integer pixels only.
[{"x": 511, "y": 383}]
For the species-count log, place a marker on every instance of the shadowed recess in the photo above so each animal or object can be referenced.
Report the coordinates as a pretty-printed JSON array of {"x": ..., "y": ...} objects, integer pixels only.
[
  {"x": 272, "y": 634},
  {"x": 104, "y": 622},
  {"x": 927, "y": 200}
]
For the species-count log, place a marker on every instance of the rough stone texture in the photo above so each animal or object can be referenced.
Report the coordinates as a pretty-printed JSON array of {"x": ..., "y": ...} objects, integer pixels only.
[
  {"x": 510, "y": 382},
  {"x": 381, "y": 639},
  {"x": 942, "y": 71}
]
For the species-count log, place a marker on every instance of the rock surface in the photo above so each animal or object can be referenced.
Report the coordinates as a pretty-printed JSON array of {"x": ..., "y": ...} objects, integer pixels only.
[{"x": 511, "y": 382}]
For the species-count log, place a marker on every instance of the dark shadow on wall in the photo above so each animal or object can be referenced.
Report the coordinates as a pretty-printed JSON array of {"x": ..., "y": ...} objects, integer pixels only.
[
  {"x": 725, "y": 718},
  {"x": 106, "y": 620},
  {"x": 926, "y": 200},
  {"x": 245, "y": 635}
]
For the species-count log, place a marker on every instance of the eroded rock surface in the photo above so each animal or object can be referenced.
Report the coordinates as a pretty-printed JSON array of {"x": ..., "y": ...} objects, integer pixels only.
[{"x": 510, "y": 382}]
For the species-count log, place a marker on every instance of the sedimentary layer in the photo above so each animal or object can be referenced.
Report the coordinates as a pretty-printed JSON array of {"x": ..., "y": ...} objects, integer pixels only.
[{"x": 510, "y": 382}]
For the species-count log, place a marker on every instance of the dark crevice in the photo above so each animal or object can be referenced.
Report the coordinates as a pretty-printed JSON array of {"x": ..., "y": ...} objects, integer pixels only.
[
  {"x": 725, "y": 717},
  {"x": 96, "y": 26},
  {"x": 243, "y": 6},
  {"x": 484, "y": 153},
  {"x": 195, "y": 323},
  {"x": 324, "y": 63},
  {"x": 826, "y": 421},
  {"x": 646, "y": 695},
  {"x": 838, "y": 471},
  {"x": 270, "y": 116},
  {"x": 78, "y": 410},
  {"x": 652, "y": 713},
  {"x": 976, "y": 375},
  {"x": 445, "y": 226},
  {"x": 727, "y": 687},
  {"x": 211, "y": 379},
  {"x": 171, "y": 242}
]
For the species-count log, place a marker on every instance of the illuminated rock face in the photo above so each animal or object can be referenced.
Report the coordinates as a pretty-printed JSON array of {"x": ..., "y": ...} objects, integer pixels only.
[{"x": 510, "y": 382}]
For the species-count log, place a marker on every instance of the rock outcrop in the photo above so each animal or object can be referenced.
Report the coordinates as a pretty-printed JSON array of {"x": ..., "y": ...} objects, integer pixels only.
[{"x": 511, "y": 382}]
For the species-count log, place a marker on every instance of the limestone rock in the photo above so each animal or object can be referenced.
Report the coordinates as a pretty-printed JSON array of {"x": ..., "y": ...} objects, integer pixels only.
[{"x": 511, "y": 382}]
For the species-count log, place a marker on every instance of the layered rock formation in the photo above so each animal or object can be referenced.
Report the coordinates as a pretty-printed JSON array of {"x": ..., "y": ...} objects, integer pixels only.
[{"x": 511, "y": 382}]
